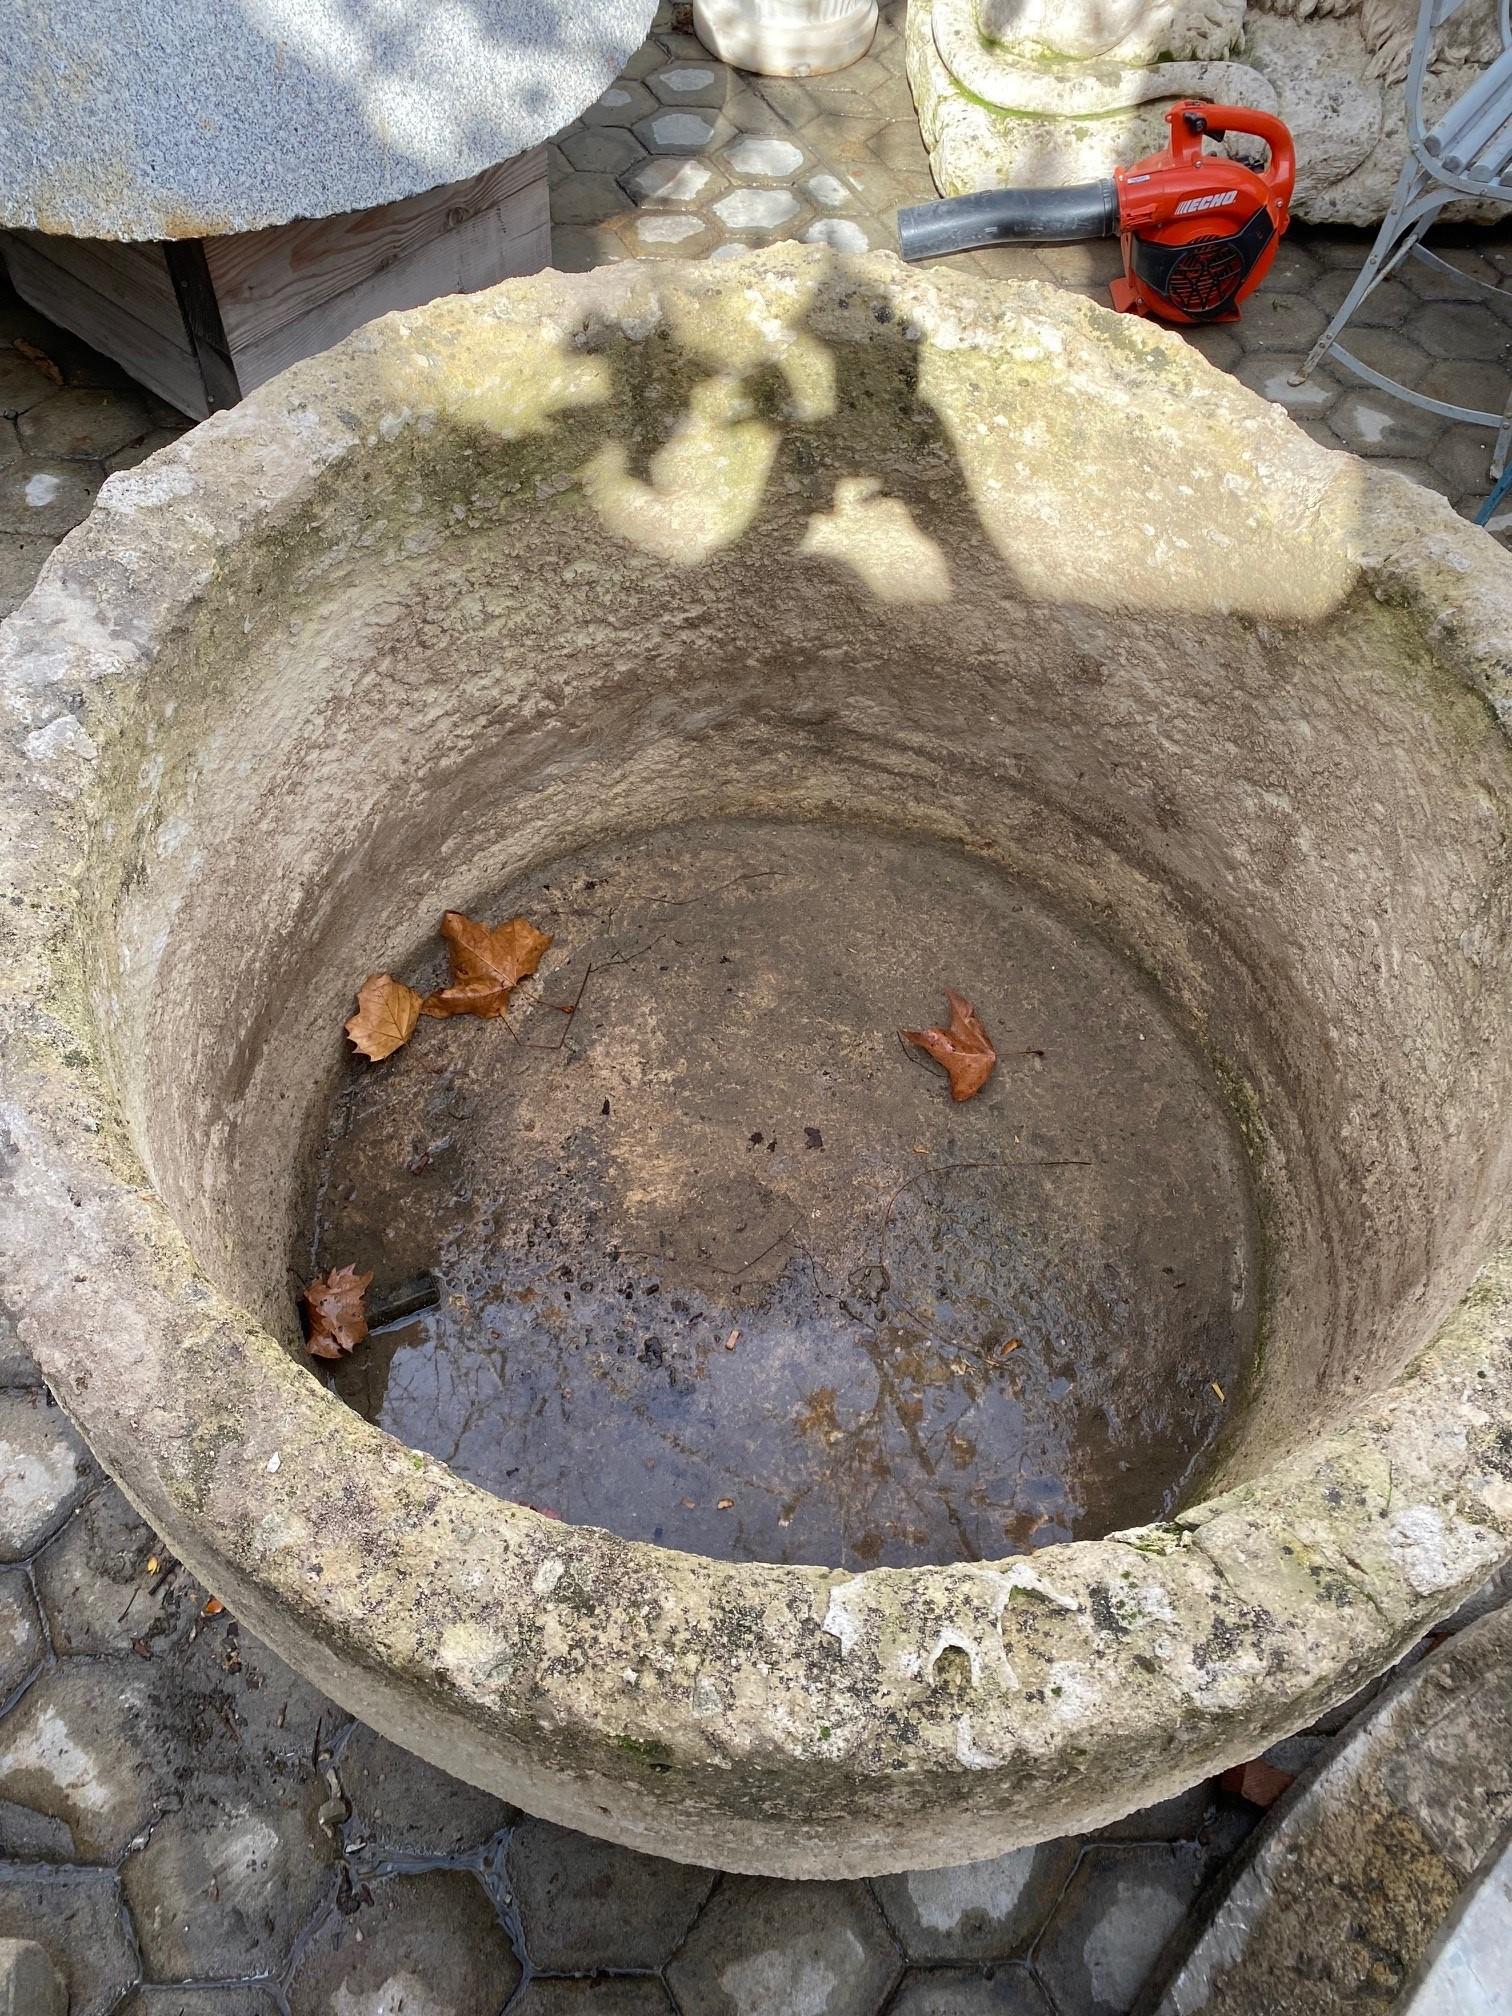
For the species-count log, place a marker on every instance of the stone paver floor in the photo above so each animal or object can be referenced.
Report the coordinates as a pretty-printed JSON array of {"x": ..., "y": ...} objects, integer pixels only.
[{"x": 188, "y": 1827}]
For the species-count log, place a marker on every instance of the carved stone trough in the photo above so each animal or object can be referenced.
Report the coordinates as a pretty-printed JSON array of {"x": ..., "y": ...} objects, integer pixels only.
[{"x": 595, "y": 552}]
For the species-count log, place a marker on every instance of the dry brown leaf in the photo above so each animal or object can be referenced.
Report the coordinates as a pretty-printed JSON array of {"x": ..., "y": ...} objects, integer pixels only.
[
  {"x": 336, "y": 1307},
  {"x": 40, "y": 358},
  {"x": 488, "y": 961},
  {"x": 213, "y": 1607},
  {"x": 963, "y": 1049},
  {"x": 387, "y": 1012},
  {"x": 725, "y": 1505}
]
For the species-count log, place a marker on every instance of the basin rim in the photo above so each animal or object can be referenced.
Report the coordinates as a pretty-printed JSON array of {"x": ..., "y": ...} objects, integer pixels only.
[{"x": 838, "y": 1695}]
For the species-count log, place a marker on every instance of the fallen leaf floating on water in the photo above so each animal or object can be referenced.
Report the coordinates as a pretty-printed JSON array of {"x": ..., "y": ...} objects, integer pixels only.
[
  {"x": 963, "y": 1049},
  {"x": 488, "y": 961},
  {"x": 387, "y": 1012},
  {"x": 336, "y": 1306}
]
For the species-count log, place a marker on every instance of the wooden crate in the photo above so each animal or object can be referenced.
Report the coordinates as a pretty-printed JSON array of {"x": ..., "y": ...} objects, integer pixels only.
[{"x": 203, "y": 321}]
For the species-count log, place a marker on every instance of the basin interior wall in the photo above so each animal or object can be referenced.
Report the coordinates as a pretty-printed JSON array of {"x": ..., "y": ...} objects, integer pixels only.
[
  {"x": 674, "y": 577},
  {"x": 797, "y": 538}
]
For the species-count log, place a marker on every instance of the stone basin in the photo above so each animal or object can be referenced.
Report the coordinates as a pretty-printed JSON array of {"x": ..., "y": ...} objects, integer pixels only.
[{"x": 792, "y": 539}]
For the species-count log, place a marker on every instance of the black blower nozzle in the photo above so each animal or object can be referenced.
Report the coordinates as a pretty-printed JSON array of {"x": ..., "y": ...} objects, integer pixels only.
[{"x": 1009, "y": 217}]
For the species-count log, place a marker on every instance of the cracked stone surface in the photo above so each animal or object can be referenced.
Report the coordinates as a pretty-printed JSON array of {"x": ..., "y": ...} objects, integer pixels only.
[{"x": 162, "y": 1778}]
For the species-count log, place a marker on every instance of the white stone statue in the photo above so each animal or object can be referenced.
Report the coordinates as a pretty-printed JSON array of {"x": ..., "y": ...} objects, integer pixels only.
[{"x": 1013, "y": 92}]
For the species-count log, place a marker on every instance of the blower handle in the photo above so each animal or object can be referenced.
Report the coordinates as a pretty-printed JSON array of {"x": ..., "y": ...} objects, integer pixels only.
[
  {"x": 1009, "y": 217},
  {"x": 1191, "y": 119}
]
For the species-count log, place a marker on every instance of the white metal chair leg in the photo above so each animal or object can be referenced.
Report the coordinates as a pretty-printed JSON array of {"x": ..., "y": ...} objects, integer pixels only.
[{"x": 1384, "y": 254}]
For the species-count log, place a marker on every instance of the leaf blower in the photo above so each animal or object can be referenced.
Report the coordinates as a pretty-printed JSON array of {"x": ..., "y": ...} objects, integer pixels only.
[{"x": 1199, "y": 230}]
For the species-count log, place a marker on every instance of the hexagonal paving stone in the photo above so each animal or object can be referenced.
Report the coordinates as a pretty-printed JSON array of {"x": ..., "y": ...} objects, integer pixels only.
[
  {"x": 1373, "y": 423},
  {"x": 980, "y": 1911},
  {"x": 682, "y": 132},
  {"x": 756, "y": 209},
  {"x": 1385, "y": 306},
  {"x": 898, "y": 145},
  {"x": 93, "y": 1583},
  {"x": 44, "y": 1472},
  {"x": 1108, "y": 1930},
  {"x": 1387, "y": 351},
  {"x": 621, "y": 105},
  {"x": 1462, "y": 458},
  {"x": 136, "y": 452},
  {"x": 578, "y": 249},
  {"x": 46, "y": 497},
  {"x": 957, "y": 1991},
  {"x": 26, "y": 1836},
  {"x": 586, "y": 1904},
  {"x": 605, "y": 1995},
  {"x": 668, "y": 233},
  {"x": 841, "y": 234},
  {"x": 403, "y": 1806},
  {"x": 241, "y": 2001},
  {"x": 764, "y": 1948},
  {"x": 1463, "y": 382},
  {"x": 764, "y": 154},
  {"x": 22, "y": 385},
  {"x": 81, "y": 1748},
  {"x": 689, "y": 84},
  {"x": 78, "y": 423},
  {"x": 1432, "y": 283},
  {"x": 21, "y": 1641},
  {"x": 1449, "y": 329},
  {"x": 1270, "y": 376},
  {"x": 1221, "y": 347},
  {"x": 672, "y": 181},
  {"x": 605, "y": 150},
  {"x": 1278, "y": 321},
  {"x": 788, "y": 100},
  {"x": 75, "y": 1916},
  {"x": 586, "y": 199},
  {"x": 427, "y": 1946},
  {"x": 828, "y": 192},
  {"x": 224, "y": 1891}
]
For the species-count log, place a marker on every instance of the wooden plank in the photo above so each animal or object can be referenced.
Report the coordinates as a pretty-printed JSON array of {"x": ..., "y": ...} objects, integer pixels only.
[
  {"x": 189, "y": 271},
  {"x": 134, "y": 277},
  {"x": 264, "y": 280},
  {"x": 165, "y": 366},
  {"x": 513, "y": 237}
]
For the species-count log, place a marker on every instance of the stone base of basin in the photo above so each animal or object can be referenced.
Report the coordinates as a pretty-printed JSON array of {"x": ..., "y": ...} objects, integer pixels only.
[
  {"x": 999, "y": 115},
  {"x": 789, "y": 538}
]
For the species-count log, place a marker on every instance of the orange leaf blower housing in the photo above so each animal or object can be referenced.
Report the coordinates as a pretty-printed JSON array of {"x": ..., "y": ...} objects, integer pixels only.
[{"x": 1198, "y": 230}]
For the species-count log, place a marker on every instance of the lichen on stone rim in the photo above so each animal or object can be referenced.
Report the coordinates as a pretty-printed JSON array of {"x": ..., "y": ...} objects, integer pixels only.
[{"x": 791, "y": 1720}]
